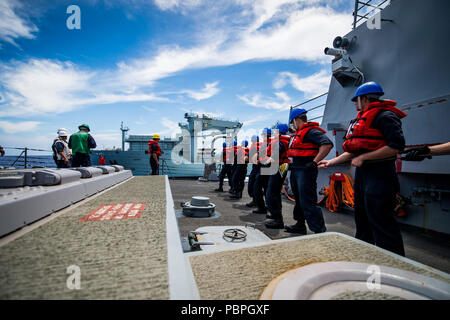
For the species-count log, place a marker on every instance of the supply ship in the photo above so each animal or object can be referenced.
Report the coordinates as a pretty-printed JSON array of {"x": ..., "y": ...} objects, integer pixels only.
[
  {"x": 190, "y": 156},
  {"x": 110, "y": 232}
]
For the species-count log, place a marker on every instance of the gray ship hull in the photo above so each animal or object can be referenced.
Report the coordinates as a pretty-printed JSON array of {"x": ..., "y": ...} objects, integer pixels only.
[{"x": 408, "y": 56}]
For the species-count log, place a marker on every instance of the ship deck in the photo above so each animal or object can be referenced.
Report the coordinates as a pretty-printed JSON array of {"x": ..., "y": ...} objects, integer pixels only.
[
  {"x": 429, "y": 248},
  {"x": 141, "y": 258},
  {"x": 117, "y": 259}
]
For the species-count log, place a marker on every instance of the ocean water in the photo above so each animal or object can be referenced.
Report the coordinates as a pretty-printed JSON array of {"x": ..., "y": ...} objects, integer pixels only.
[{"x": 32, "y": 160}]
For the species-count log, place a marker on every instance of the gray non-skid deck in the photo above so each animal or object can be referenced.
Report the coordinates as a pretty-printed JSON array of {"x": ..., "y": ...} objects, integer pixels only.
[
  {"x": 118, "y": 259},
  {"x": 244, "y": 273},
  {"x": 430, "y": 249}
]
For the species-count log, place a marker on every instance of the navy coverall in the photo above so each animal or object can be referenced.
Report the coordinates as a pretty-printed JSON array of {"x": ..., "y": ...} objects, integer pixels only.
[
  {"x": 376, "y": 185},
  {"x": 273, "y": 193},
  {"x": 153, "y": 164},
  {"x": 304, "y": 186}
]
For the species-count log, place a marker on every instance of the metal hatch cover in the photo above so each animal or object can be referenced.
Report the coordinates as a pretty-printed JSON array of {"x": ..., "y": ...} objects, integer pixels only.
[{"x": 352, "y": 280}]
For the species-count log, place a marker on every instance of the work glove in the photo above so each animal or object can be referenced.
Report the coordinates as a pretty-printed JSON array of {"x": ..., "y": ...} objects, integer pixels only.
[
  {"x": 416, "y": 154},
  {"x": 311, "y": 165}
]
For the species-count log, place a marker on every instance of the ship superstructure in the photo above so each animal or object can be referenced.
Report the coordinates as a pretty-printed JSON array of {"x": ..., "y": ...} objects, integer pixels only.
[
  {"x": 407, "y": 55},
  {"x": 187, "y": 147}
]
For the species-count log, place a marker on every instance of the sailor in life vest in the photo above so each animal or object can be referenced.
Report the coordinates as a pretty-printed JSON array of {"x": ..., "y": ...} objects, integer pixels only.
[
  {"x": 261, "y": 180},
  {"x": 238, "y": 179},
  {"x": 253, "y": 150},
  {"x": 279, "y": 141},
  {"x": 226, "y": 167},
  {"x": 102, "y": 160},
  {"x": 372, "y": 143},
  {"x": 308, "y": 146},
  {"x": 61, "y": 151},
  {"x": 155, "y": 153}
]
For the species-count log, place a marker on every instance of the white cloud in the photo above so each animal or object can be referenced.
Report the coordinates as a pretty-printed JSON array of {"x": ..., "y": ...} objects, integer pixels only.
[
  {"x": 255, "y": 30},
  {"x": 11, "y": 25},
  {"x": 51, "y": 86},
  {"x": 148, "y": 109},
  {"x": 301, "y": 35},
  {"x": 311, "y": 86},
  {"x": 280, "y": 102},
  {"x": 208, "y": 91},
  {"x": 177, "y": 4},
  {"x": 42, "y": 86},
  {"x": 257, "y": 119},
  {"x": 172, "y": 128},
  {"x": 16, "y": 127}
]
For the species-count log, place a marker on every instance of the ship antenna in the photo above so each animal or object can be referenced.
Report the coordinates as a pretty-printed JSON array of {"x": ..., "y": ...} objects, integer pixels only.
[{"x": 124, "y": 130}]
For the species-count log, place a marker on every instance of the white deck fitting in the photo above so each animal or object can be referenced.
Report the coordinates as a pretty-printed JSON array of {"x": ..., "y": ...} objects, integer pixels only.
[
  {"x": 328, "y": 280},
  {"x": 22, "y": 206},
  {"x": 182, "y": 284},
  {"x": 215, "y": 234}
]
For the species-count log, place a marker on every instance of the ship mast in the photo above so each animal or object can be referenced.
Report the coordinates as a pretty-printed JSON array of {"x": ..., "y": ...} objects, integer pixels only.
[{"x": 124, "y": 130}]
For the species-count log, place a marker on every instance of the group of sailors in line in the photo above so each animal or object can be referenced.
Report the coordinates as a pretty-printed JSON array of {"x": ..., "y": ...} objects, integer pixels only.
[{"x": 372, "y": 143}]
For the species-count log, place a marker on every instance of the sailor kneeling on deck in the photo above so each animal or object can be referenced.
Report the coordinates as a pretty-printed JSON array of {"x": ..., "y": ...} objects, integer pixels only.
[
  {"x": 308, "y": 146},
  {"x": 372, "y": 143}
]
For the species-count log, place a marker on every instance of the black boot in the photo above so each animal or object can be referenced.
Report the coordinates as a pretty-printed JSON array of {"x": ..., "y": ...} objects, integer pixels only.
[
  {"x": 260, "y": 211},
  {"x": 251, "y": 204},
  {"x": 220, "y": 189},
  {"x": 274, "y": 224},
  {"x": 297, "y": 228}
]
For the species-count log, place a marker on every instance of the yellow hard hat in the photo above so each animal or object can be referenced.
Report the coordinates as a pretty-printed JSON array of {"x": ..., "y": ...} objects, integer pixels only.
[{"x": 156, "y": 136}]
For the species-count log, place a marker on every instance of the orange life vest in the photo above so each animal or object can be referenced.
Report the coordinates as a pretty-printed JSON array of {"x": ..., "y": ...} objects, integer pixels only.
[
  {"x": 283, "y": 157},
  {"x": 360, "y": 136},
  {"x": 298, "y": 148},
  {"x": 224, "y": 155},
  {"x": 242, "y": 155},
  {"x": 158, "y": 149}
]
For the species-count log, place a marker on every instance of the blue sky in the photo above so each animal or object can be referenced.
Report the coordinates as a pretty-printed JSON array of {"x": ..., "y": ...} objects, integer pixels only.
[{"x": 147, "y": 62}]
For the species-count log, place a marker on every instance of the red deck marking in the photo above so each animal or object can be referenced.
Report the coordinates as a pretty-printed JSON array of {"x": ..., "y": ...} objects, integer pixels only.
[{"x": 115, "y": 211}]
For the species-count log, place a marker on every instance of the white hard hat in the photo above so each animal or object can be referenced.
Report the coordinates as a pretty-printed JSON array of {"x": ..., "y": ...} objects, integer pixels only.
[{"x": 62, "y": 133}]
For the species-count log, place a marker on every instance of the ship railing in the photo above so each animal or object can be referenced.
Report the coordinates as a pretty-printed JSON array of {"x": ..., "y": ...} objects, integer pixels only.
[
  {"x": 165, "y": 168},
  {"x": 321, "y": 105},
  {"x": 364, "y": 10},
  {"x": 27, "y": 160}
]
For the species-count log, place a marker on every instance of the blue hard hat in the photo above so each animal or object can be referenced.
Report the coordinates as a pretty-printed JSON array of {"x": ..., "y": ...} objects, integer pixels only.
[
  {"x": 235, "y": 143},
  {"x": 368, "y": 88},
  {"x": 282, "y": 127},
  {"x": 244, "y": 143},
  {"x": 255, "y": 138},
  {"x": 224, "y": 145},
  {"x": 295, "y": 113},
  {"x": 266, "y": 131}
]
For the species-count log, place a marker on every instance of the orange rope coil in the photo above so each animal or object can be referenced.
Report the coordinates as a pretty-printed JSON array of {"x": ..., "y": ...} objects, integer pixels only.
[{"x": 340, "y": 190}]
